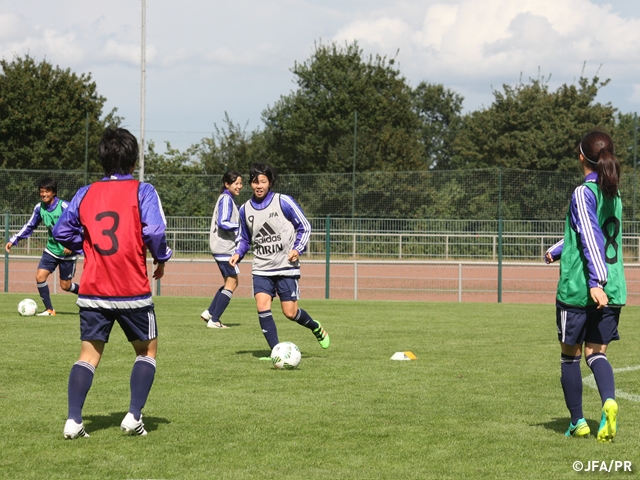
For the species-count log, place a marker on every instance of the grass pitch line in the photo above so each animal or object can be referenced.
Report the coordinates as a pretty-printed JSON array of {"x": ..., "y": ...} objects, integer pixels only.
[{"x": 590, "y": 381}]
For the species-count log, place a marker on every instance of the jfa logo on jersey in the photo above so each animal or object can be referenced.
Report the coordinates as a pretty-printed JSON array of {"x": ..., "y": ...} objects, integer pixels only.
[{"x": 273, "y": 214}]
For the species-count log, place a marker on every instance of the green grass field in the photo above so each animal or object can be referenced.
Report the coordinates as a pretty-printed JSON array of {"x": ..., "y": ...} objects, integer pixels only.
[{"x": 483, "y": 399}]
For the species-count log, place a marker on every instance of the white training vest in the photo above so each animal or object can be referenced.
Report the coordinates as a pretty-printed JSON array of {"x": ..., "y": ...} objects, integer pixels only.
[
  {"x": 222, "y": 242},
  {"x": 272, "y": 237}
]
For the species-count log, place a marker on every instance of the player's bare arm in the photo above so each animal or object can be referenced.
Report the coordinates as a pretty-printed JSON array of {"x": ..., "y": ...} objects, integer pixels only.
[{"x": 159, "y": 271}]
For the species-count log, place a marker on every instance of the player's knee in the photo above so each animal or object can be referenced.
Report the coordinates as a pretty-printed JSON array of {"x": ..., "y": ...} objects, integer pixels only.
[{"x": 290, "y": 313}]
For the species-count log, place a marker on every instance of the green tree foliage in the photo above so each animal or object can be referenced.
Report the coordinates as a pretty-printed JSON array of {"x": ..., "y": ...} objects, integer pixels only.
[
  {"x": 439, "y": 110},
  {"x": 312, "y": 129},
  {"x": 231, "y": 147},
  {"x": 43, "y": 111},
  {"x": 530, "y": 127}
]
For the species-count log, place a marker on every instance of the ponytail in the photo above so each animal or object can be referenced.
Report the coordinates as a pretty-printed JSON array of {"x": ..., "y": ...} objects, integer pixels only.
[
  {"x": 608, "y": 169},
  {"x": 597, "y": 149}
]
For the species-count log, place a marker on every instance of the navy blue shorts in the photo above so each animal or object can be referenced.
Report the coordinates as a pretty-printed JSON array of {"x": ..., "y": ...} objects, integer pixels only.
[
  {"x": 578, "y": 325},
  {"x": 287, "y": 288},
  {"x": 137, "y": 324},
  {"x": 227, "y": 270},
  {"x": 67, "y": 268}
]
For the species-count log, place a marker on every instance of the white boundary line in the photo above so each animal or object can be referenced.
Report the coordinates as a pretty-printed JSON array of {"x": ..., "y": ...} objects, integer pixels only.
[{"x": 590, "y": 381}]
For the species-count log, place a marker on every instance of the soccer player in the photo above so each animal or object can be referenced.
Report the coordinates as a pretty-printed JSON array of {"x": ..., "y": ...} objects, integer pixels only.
[
  {"x": 115, "y": 221},
  {"x": 48, "y": 212},
  {"x": 222, "y": 240},
  {"x": 592, "y": 287},
  {"x": 279, "y": 232}
]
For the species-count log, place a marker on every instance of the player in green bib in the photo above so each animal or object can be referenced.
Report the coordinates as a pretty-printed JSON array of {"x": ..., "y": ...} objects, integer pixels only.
[
  {"x": 47, "y": 212},
  {"x": 592, "y": 288}
]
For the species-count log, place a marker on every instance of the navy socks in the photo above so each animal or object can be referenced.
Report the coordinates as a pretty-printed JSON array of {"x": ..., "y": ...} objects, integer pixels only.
[
  {"x": 80, "y": 380},
  {"x": 43, "y": 290},
  {"x": 603, "y": 374},
  {"x": 571, "y": 380},
  {"x": 268, "y": 326},
  {"x": 142, "y": 375}
]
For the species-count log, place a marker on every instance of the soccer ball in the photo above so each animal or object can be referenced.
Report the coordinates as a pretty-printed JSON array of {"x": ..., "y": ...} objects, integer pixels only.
[
  {"x": 27, "y": 307},
  {"x": 286, "y": 356}
]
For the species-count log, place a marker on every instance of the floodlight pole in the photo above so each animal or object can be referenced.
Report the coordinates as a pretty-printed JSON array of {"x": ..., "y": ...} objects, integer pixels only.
[
  {"x": 143, "y": 77},
  {"x": 353, "y": 174}
]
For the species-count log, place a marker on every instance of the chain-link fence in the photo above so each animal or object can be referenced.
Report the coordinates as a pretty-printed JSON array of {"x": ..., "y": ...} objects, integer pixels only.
[
  {"x": 406, "y": 235},
  {"x": 424, "y": 195}
]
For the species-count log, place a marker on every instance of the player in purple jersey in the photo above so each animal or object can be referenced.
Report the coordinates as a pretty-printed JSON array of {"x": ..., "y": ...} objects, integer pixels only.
[
  {"x": 591, "y": 288},
  {"x": 279, "y": 232},
  {"x": 116, "y": 244},
  {"x": 222, "y": 241},
  {"x": 55, "y": 255}
]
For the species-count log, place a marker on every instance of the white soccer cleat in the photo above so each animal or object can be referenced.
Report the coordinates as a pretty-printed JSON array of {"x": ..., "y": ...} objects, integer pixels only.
[
  {"x": 132, "y": 427},
  {"x": 212, "y": 324},
  {"x": 205, "y": 316},
  {"x": 47, "y": 313},
  {"x": 74, "y": 430}
]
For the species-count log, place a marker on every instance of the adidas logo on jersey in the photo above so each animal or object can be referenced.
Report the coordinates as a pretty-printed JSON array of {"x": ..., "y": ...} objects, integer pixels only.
[{"x": 266, "y": 234}]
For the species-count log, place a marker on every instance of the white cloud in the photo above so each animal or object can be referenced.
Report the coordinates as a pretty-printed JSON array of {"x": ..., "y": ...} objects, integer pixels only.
[{"x": 471, "y": 40}]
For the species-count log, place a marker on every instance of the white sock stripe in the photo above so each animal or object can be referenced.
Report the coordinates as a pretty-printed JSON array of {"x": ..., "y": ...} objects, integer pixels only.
[
  {"x": 226, "y": 292},
  {"x": 149, "y": 360},
  {"x": 570, "y": 360},
  {"x": 43, "y": 284},
  {"x": 297, "y": 317},
  {"x": 264, "y": 314},
  {"x": 594, "y": 357},
  {"x": 86, "y": 365}
]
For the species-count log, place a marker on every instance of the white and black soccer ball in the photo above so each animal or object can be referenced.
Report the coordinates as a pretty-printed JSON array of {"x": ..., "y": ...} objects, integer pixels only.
[
  {"x": 286, "y": 356},
  {"x": 27, "y": 307}
]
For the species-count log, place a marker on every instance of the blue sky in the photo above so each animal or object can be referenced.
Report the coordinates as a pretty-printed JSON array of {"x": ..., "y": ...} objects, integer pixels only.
[{"x": 208, "y": 58}]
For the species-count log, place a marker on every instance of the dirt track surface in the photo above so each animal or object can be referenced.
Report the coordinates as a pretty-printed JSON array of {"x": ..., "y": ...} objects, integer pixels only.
[{"x": 432, "y": 282}]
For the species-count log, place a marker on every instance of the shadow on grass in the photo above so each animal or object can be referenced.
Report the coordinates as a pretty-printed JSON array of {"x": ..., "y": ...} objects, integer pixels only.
[
  {"x": 560, "y": 425},
  {"x": 94, "y": 423},
  {"x": 255, "y": 353}
]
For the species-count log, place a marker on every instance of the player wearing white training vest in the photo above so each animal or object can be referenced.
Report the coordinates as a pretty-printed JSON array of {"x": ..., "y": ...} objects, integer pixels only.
[
  {"x": 278, "y": 230},
  {"x": 222, "y": 241}
]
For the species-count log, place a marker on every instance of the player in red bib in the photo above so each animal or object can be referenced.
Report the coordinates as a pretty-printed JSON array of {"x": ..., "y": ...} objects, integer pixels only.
[{"x": 115, "y": 221}]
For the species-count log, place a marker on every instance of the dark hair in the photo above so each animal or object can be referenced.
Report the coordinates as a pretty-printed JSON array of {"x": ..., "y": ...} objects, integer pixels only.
[
  {"x": 48, "y": 184},
  {"x": 262, "y": 169},
  {"x": 597, "y": 148},
  {"x": 228, "y": 178},
  {"x": 118, "y": 151}
]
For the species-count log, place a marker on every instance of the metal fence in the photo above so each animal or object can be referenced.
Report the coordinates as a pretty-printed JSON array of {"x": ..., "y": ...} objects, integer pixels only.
[{"x": 384, "y": 259}]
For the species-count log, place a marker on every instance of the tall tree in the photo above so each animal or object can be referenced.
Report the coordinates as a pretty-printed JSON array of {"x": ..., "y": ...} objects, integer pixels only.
[
  {"x": 43, "y": 112},
  {"x": 439, "y": 110},
  {"x": 230, "y": 147},
  {"x": 530, "y": 127},
  {"x": 311, "y": 130}
]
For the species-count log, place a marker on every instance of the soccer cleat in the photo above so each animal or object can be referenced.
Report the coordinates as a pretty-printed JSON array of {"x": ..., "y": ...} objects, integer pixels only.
[
  {"x": 47, "y": 313},
  {"x": 74, "y": 430},
  {"x": 266, "y": 359},
  {"x": 131, "y": 426},
  {"x": 212, "y": 324},
  {"x": 205, "y": 316},
  {"x": 609, "y": 423},
  {"x": 580, "y": 429},
  {"x": 322, "y": 336}
]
